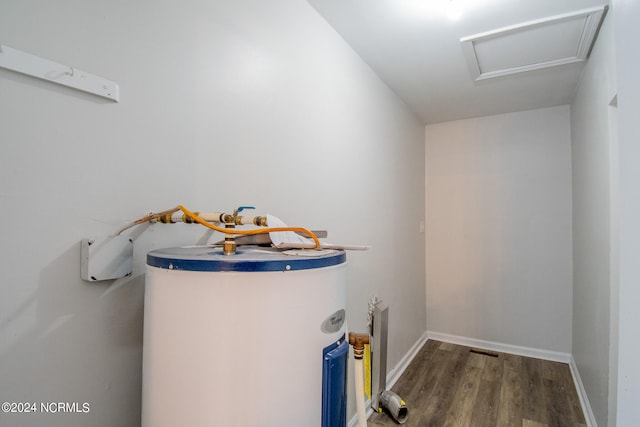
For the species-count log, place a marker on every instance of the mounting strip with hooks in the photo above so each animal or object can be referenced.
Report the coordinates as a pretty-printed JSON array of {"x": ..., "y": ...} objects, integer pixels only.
[{"x": 35, "y": 66}]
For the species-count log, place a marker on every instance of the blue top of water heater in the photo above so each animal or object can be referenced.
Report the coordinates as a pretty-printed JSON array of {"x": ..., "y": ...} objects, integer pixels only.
[{"x": 247, "y": 258}]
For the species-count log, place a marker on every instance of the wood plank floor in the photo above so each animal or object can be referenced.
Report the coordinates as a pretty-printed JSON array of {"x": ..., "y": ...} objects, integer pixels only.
[{"x": 452, "y": 385}]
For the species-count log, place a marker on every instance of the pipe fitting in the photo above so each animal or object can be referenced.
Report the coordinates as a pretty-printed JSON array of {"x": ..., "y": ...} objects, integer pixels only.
[
  {"x": 358, "y": 341},
  {"x": 260, "y": 221},
  {"x": 229, "y": 246},
  {"x": 227, "y": 219},
  {"x": 187, "y": 220},
  {"x": 166, "y": 219}
]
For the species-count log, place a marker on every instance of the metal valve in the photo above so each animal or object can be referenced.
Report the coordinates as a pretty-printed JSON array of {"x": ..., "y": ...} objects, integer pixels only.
[{"x": 230, "y": 221}]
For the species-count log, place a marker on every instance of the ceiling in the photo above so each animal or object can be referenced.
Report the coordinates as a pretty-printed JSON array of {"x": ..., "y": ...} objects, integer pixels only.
[{"x": 414, "y": 46}]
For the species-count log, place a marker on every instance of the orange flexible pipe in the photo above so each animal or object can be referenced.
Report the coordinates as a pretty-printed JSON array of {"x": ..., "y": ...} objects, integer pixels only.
[{"x": 200, "y": 221}]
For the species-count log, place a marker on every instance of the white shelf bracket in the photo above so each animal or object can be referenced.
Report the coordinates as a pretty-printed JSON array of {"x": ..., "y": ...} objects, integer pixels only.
[{"x": 41, "y": 68}]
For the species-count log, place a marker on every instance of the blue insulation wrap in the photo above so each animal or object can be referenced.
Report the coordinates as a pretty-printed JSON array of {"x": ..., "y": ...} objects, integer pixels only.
[{"x": 334, "y": 384}]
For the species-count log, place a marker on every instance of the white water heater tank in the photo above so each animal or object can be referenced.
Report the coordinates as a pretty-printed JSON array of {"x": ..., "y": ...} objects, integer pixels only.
[{"x": 238, "y": 340}]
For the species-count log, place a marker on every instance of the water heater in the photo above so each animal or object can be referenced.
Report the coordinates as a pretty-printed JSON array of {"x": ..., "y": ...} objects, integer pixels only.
[{"x": 251, "y": 339}]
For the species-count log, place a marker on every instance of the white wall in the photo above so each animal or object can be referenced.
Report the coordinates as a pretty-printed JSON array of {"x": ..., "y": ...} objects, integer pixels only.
[
  {"x": 627, "y": 33},
  {"x": 222, "y": 103},
  {"x": 593, "y": 177},
  {"x": 499, "y": 228}
]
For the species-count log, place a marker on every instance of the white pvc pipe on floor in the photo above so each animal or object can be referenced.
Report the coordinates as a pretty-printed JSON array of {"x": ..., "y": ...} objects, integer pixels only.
[{"x": 358, "y": 373}]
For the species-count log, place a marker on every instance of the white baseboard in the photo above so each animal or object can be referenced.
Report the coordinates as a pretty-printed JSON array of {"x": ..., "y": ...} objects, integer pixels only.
[
  {"x": 554, "y": 356},
  {"x": 582, "y": 395},
  {"x": 394, "y": 374}
]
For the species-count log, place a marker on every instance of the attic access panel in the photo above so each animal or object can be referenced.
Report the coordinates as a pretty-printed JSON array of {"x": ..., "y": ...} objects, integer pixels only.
[{"x": 543, "y": 43}]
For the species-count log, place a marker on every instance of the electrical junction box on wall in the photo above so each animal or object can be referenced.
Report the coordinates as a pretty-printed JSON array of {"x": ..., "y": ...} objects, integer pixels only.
[{"x": 105, "y": 258}]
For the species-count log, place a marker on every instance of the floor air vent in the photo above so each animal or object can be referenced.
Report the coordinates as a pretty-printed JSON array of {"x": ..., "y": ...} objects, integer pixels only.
[{"x": 484, "y": 352}]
